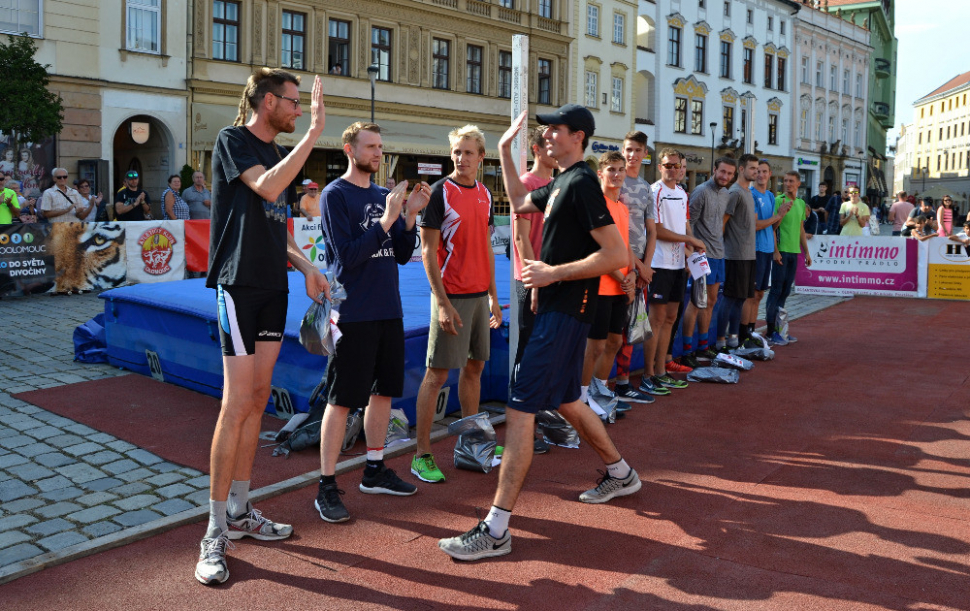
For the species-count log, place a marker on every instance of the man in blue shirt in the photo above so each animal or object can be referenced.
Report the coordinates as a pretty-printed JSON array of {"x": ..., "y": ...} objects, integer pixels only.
[
  {"x": 764, "y": 207},
  {"x": 369, "y": 231}
]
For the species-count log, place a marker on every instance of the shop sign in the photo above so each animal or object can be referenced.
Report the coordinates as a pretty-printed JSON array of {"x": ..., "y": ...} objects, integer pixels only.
[
  {"x": 807, "y": 161},
  {"x": 604, "y": 147},
  {"x": 429, "y": 169}
]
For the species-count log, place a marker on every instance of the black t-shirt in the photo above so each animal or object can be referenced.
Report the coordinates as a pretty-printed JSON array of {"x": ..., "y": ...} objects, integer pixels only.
[
  {"x": 818, "y": 201},
  {"x": 573, "y": 205},
  {"x": 247, "y": 235},
  {"x": 128, "y": 197}
]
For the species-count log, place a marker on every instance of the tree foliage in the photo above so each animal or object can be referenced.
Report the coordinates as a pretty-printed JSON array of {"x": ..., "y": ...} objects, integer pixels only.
[{"x": 27, "y": 108}]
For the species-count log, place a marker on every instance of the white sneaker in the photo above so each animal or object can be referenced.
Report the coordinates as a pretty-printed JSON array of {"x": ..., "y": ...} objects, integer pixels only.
[
  {"x": 212, "y": 567},
  {"x": 609, "y": 487}
]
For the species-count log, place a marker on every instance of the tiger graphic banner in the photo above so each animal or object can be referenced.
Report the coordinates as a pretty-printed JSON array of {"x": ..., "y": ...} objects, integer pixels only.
[
  {"x": 88, "y": 256},
  {"x": 156, "y": 251}
]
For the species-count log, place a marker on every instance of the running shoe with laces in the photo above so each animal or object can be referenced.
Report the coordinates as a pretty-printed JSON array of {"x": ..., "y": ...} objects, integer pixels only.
[
  {"x": 676, "y": 367},
  {"x": 627, "y": 393},
  {"x": 540, "y": 446},
  {"x": 622, "y": 407},
  {"x": 386, "y": 481},
  {"x": 689, "y": 360},
  {"x": 253, "y": 524},
  {"x": 648, "y": 386},
  {"x": 476, "y": 544},
  {"x": 751, "y": 343},
  {"x": 775, "y": 339},
  {"x": 791, "y": 339},
  {"x": 669, "y": 382},
  {"x": 707, "y": 354},
  {"x": 609, "y": 487},
  {"x": 211, "y": 567},
  {"x": 426, "y": 470},
  {"x": 329, "y": 505}
]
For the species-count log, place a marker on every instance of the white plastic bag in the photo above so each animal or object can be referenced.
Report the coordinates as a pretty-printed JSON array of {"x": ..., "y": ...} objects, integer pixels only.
[
  {"x": 318, "y": 330},
  {"x": 638, "y": 328}
]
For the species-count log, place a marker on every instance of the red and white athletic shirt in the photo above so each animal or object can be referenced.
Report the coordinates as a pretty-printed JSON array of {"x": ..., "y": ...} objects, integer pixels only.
[
  {"x": 463, "y": 215},
  {"x": 672, "y": 211}
]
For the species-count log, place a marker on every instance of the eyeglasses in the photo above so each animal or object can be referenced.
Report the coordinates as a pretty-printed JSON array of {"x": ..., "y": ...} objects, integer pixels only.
[
  {"x": 64, "y": 177},
  {"x": 671, "y": 166},
  {"x": 296, "y": 103}
]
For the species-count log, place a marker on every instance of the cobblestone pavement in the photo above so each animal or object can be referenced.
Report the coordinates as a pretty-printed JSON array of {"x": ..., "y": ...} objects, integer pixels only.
[{"x": 63, "y": 483}]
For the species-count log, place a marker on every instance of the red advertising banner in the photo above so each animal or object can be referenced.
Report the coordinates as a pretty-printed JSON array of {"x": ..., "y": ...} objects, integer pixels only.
[
  {"x": 197, "y": 245},
  {"x": 843, "y": 265}
]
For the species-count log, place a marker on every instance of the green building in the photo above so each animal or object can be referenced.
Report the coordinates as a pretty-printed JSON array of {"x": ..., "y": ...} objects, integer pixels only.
[{"x": 878, "y": 16}]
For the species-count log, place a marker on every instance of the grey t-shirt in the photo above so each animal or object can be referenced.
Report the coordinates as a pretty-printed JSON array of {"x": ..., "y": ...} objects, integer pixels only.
[
  {"x": 739, "y": 233},
  {"x": 637, "y": 196},
  {"x": 707, "y": 205},
  {"x": 194, "y": 199}
]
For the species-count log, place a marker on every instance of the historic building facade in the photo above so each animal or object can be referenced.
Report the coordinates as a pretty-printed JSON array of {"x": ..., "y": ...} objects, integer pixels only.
[{"x": 830, "y": 113}]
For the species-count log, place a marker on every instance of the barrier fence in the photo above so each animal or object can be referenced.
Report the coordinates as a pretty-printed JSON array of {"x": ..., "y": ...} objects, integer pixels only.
[{"x": 35, "y": 258}]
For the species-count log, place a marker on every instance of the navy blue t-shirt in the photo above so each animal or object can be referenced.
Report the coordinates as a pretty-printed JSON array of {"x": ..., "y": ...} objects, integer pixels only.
[{"x": 362, "y": 257}]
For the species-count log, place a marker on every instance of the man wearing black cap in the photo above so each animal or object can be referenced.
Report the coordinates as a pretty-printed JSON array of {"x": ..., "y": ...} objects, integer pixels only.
[
  {"x": 132, "y": 203},
  {"x": 580, "y": 243}
]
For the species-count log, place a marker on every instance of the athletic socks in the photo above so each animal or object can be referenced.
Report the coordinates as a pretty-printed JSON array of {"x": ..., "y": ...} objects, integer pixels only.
[
  {"x": 238, "y": 503},
  {"x": 497, "y": 521},
  {"x": 619, "y": 469},
  {"x": 218, "y": 523},
  {"x": 688, "y": 347},
  {"x": 720, "y": 343},
  {"x": 584, "y": 394},
  {"x": 702, "y": 345},
  {"x": 732, "y": 341},
  {"x": 375, "y": 460}
]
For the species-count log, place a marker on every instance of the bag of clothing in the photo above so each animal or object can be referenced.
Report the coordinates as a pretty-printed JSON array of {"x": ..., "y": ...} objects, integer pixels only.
[
  {"x": 318, "y": 330},
  {"x": 734, "y": 361},
  {"x": 556, "y": 429},
  {"x": 397, "y": 429},
  {"x": 638, "y": 328},
  {"x": 475, "y": 447},
  {"x": 719, "y": 375},
  {"x": 781, "y": 322},
  {"x": 754, "y": 354}
]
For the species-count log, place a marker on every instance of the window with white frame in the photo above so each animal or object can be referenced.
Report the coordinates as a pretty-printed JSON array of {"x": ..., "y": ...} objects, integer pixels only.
[
  {"x": 19, "y": 16},
  {"x": 803, "y": 124},
  {"x": 545, "y": 81},
  {"x": 806, "y": 79},
  {"x": 772, "y": 128},
  {"x": 749, "y": 17},
  {"x": 440, "y": 63},
  {"x": 845, "y": 82},
  {"x": 143, "y": 21},
  {"x": 592, "y": 20},
  {"x": 771, "y": 23},
  {"x": 725, "y": 59},
  {"x": 727, "y": 121},
  {"x": 831, "y": 129},
  {"x": 781, "y": 27},
  {"x": 697, "y": 117},
  {"x": 727, "y": 9},
  {"x": 545, "y": 8},
  {"x": 858, "y": 85},
  {"x": 818, "y": 73},
  {"x": 473, "y": 69},
  {"x": 225, "y": 30},
  {"x": 616, "y": 99},
  {"x": 818, "y": 125},
  {"x": 833, "y": 78},
  {"x": 680, "y": 115},
  {"x": 294, "y": 39},
  {"x": 673, "y": 46},
  {"x": 505, "y": 74},
  {"x": 619, "y": 28},
  {"x": 700, "y": 53},
  {"x": 591, "y": 88}
]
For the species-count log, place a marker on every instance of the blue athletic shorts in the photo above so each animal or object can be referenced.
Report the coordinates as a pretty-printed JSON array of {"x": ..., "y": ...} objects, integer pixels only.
[
  {"x": 763, "y": 272},
  {"x": 551, "y": 370},
  {"x": 717, "y": 271}
]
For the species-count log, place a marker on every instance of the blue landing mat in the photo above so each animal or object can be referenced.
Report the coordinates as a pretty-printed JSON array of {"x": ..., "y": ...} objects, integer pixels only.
[{"x": 174, "y": 325}]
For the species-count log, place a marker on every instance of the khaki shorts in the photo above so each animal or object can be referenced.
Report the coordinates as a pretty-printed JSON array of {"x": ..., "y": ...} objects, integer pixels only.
[{"x": 447, "y": 351}]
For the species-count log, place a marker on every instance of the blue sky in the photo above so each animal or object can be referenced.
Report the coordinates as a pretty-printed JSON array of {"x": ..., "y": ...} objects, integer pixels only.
[{"x": 932, "y": 43}]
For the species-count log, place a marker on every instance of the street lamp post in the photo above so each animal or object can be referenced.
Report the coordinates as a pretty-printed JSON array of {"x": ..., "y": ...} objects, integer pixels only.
[
  {"x": 372, "y": 72},
  {"x": 713, "y": 127}
]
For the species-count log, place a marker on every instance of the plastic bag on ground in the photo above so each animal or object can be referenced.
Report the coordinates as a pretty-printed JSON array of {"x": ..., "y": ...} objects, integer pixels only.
[
  {"x": 638, "y": 327},
  {"x": 397, "y": 429},
  {"x": 760, "y": 339},
  {"x": 733, "y": 361},
  {"x": 317, "y": 330},
  {"x": 475, "y": 447},
  {"x": 556, "y": 429},
  {"x": 754, "y": 354},
  {"x": 308, "y": 435},
  {"x": 719, "y": 375}
]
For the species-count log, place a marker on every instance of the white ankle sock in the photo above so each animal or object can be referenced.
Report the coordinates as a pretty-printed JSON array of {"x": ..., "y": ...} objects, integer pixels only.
[
  {"x": 619, "y": 470},
  {"x": 584, "y": 394},
  {"x": 238, "y": 502},
  {"x": 217, "y": 519},
  {"x": 497, "y": 521}
]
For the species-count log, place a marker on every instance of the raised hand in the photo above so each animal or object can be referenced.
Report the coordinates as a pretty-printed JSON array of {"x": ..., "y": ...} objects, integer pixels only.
[
  {"x": 393, "y": 203},
  {"x": 419, "y": 198},
  {"x": 318, "y": 110},
  {"x": 506, "y": 140}
]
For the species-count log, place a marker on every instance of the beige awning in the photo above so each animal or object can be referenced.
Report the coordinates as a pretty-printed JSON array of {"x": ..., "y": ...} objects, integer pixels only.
[{"x": 414, "y": 138}]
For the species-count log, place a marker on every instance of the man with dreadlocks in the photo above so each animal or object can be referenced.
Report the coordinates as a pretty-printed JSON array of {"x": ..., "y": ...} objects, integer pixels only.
[{"x": 249, "y": 246}]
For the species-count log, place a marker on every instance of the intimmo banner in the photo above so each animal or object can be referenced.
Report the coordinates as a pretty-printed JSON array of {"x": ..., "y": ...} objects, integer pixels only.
[{"x": 843, "y": 265}]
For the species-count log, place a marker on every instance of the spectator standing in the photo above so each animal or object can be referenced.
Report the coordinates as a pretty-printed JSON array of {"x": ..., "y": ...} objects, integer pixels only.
[
  {"x": 899, "y": 212},
  {"x": 9, "y": 203},
  {"x": 96, "y": 203},
  {"x": 740, "y": 254},
  {"x": 132, "y": 203},
  {"x": 61, "y": 203},
  {"x": 944, "y": 217},
  {"x": 819, "y": 202},
  {"x": 832, "y": 208},
  {"x": 173, "y": 206},
  {"x": 853, "y": 214},
  {"x": 310, "y": 202},
  {"x": 789, "y": 242},
  {"x": 29, "y": 213},
  {"x": 767, "y": 220},
  {"x": 198, "y": 197}
]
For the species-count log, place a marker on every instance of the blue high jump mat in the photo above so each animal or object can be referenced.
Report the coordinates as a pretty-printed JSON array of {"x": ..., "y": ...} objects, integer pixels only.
[{"x": 170, "y": 331}]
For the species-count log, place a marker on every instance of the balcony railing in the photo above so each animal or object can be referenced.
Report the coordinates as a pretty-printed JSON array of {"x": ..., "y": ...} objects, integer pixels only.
[
  {"x": 549, "y": 25},
  {"x": 880, "y": 109},
  {"x": 478, "y": 8},
  {"x": 883, "y": 67},
  {"x": 510, "y": 15},
  {"x": 448, "y": 3}
]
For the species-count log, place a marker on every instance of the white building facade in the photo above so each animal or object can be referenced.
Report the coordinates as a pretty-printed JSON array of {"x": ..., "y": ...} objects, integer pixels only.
[
  {"x": 604, "y": 64},
  {"x": 829, "y": 115},
  {"x": 905, "y": 159},
  {"x": 713, "y": 69}
]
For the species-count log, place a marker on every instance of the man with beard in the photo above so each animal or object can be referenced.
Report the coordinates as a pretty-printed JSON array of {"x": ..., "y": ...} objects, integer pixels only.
[
  {"x": 707, "y": 204},
  {"x": 739, "y": 249},
  {"x": 249, "y": 248},
  {"x": 367, "y": 237}
]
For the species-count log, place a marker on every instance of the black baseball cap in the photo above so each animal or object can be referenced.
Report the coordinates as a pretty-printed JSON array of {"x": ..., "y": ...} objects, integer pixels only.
[
  {"x": 573, "y": 116},
  {"x": 131, "y": 174}
]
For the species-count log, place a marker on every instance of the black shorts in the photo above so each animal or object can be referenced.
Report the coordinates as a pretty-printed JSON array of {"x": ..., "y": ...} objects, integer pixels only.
[
  {"x": 739, "y": 278},
  {"x": 610, "y": 316},
  {"x": 551, "y": 370},
  {"x": 668, "y": 285},
  {"x": 248, "y": 315},
  {"x": 368, "y": 360}
]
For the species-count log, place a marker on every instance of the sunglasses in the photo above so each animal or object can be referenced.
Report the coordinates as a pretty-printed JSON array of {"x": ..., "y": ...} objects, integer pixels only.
[
  {"x": 852, "y": 192},
  {"x": 671, "y": 166},
  {"x": 60, "y": 177}
]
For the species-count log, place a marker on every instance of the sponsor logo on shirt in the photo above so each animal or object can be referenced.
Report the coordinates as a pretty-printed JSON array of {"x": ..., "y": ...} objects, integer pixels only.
[{"x": 552, "y": 199}]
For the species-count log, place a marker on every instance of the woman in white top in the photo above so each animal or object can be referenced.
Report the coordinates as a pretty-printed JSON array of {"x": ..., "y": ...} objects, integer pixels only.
[{"x": 84, "y": 188}]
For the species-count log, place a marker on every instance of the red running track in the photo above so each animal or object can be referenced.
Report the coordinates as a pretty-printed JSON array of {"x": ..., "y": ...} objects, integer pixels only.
[{"x": 832, "y": 478}]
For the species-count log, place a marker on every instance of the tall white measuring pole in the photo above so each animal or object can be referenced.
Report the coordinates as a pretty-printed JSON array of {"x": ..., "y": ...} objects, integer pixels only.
[{"x": 520, "y": 153}]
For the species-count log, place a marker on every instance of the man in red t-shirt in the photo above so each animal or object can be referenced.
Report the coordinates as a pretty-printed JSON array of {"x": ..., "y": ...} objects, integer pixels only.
[{"x": 458, "y": 258}]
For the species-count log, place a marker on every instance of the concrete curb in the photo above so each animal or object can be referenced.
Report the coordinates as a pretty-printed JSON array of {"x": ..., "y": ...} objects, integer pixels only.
[{"x": 20, "y": 569}]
